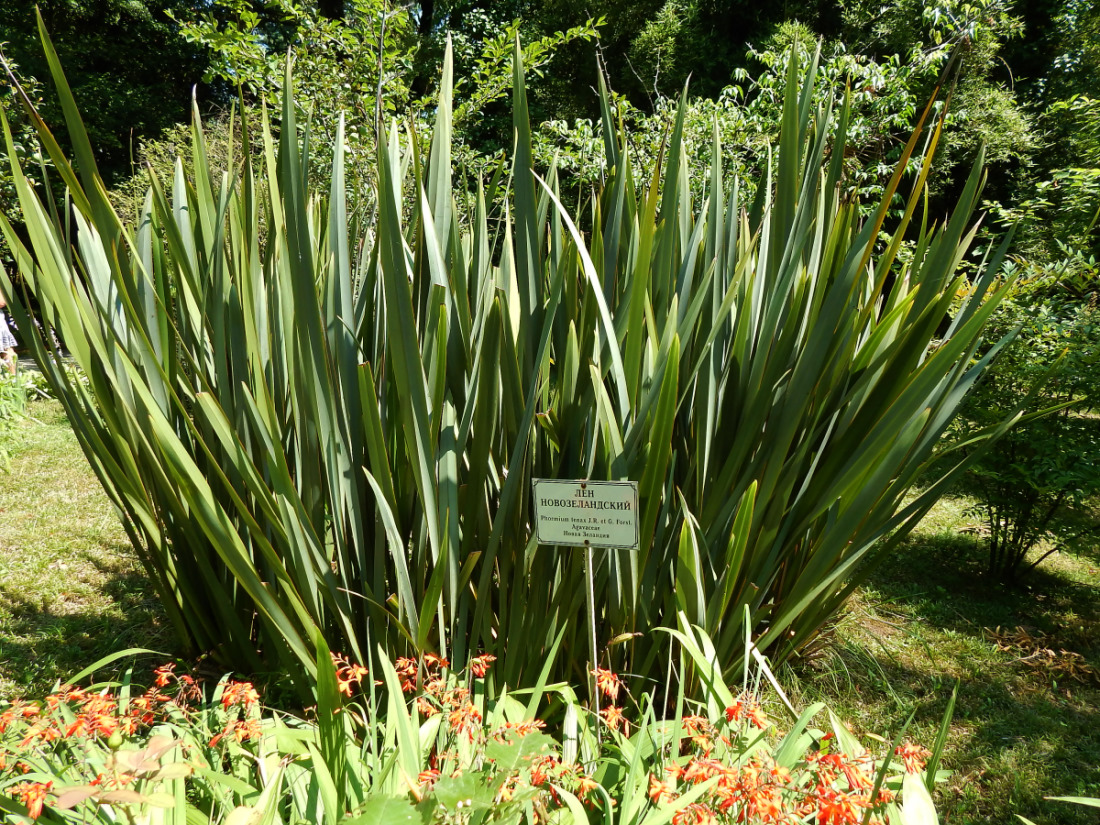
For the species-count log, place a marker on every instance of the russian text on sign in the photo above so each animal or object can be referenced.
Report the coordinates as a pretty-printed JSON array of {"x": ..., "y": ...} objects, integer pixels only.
[{"x": 586, "y": 513}]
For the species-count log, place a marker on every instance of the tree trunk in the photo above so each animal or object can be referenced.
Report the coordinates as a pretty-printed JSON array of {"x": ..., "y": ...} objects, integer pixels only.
[{"x": 419, "y": 85}]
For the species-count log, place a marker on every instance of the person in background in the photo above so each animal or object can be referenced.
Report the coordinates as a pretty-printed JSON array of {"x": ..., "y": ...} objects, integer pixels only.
[{"x": 7, "y": 341}]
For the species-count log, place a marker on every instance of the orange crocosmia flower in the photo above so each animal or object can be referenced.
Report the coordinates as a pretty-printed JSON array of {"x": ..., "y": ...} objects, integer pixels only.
[
  {"x": 217, "y": 737},
  {"x": 435, "y": 660},
  {"x": 694, "y": 814},
  {"x": 747, "y": 708},
  {"x": 660, "y": 790},
  {"x": 736, "y": 711},
  {"x": 164, "y": 675},
  {"x": 913, "y": 756},
  {"x": 697, "y": 771},
  {"x": 779, "y": 774},
  {"x": 79, "y": 727},
  {"x": 757, "y": 717},
  {"x": 40, "y": 730},
  {"x": 239, "y": 730},
  {"x": 695, "y": 723},
  {"x": 32, "y": 794},
  {"x": 104, "y": 724},
  {"x": 540, "y": 768},
  {"x": 615, "y": 719},
  {"x": 141, "y": 708},
  {"x": 239, "y": 693},
  {"x": 523, "y": 728},
  {"x": 349, "y": 677},
  {"x": 425, "y": 779},
  {"x": 247, "y": 730},
  {"x": 700, "y": 730},
  {"x": 838, "y": 808},
  {"x": 480, "y": 665},
  {"x": 465, "y": 719},
  {"x": 763, "y": 803},
  {"x": 99, "y": 703},
  {"x": 608, "y": 683},
  {"x": 858, "y": 779},
  {"x": 829, "y": 766},
  {"x": 457, "y": 696},
  {"x": 728, "y": 795},
  {"x": 585, "y": 786},
  {"x": 435, "y": 687},
  {"x": 426, "y": 708},
  {"x": 700, "y": 770},
  {"x": 92, "y": 721},
  {"x": 538, "y": 774},
  {"x": 405, "y": 666}
]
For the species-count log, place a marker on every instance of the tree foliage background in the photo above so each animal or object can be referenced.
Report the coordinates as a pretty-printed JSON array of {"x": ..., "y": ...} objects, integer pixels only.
[
  {"x": 131, "y": 69},
  {"x": 1025, "y": 92}
]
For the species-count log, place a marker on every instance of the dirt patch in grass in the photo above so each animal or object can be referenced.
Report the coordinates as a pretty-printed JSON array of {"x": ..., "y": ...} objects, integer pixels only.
[{"x": 71, "y": 589}]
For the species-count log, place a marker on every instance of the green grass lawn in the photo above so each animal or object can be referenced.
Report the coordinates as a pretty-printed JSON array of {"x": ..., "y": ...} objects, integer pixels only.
[
  {"x": 1027, "y": 722},
  {"x": 71, "y": 589},
  {"x": 1027, "y": 658}
]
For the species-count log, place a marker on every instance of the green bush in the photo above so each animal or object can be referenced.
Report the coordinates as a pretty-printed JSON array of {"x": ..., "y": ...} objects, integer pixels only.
[
  {"x": 1034, "y": 490},
  {"x": 335, "y": 429}
]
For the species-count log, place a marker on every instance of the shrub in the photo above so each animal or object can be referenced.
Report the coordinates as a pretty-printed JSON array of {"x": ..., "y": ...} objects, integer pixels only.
[
  {"x": 335, "y": 430},
  {"x": 1046, "y": 470},
  {"x": 438, "y": 751}
]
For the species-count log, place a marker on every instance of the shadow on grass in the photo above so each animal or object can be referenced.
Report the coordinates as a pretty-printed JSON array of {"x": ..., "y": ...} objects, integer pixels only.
[
  {"x": 1011, "y": 743},
  {"x": 43, "y": 640},
  {"x": 1024, "y": 728},
  {"x": 941, "y": 578}
]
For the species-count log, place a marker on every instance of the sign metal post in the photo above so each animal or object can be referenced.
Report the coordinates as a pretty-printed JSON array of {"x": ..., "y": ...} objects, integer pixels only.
[{"x": 587, "y": 514}]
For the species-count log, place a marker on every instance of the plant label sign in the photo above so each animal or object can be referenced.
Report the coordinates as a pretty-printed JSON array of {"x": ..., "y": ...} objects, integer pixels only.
[{"x": 586, "y": 513}]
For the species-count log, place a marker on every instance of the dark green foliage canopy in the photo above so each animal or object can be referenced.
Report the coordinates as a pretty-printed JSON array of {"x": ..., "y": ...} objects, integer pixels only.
[{"x": 130, "y": 69}]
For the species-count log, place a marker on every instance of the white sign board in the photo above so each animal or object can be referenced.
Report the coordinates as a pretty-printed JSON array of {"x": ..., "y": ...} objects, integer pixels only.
[{"x": 586, "y": 513}]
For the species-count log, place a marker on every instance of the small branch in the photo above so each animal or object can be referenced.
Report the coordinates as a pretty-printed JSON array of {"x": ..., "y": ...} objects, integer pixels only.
[
  {"x": 642, "y": 82},
  {"x": 1036, "y": 563}
]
